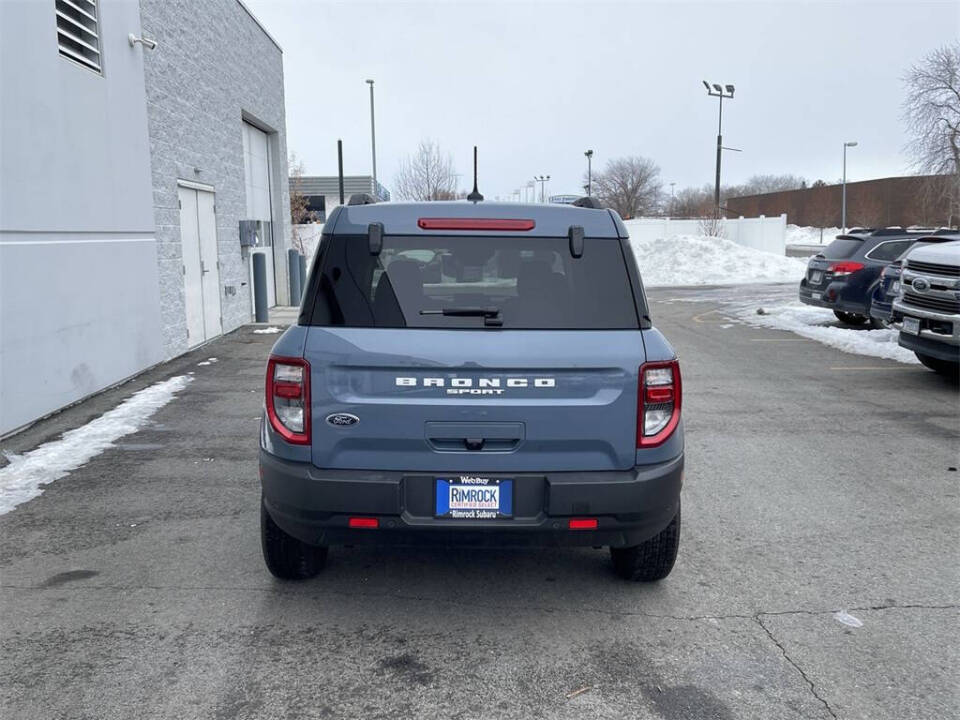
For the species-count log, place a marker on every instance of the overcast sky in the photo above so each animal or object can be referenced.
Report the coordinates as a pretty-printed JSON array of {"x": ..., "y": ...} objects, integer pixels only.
[{"x": 536, "y": 84}]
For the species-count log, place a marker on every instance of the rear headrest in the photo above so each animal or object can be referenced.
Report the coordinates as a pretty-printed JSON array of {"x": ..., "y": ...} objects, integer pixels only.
[{"x": 533, "y": 277}]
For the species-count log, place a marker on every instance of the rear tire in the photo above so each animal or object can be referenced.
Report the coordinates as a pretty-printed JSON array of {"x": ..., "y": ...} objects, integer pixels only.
[
  {"x": 286, "y": 557},
  {"x": 850, "y": 318},
  {"x": 651, "y": 560},
  {"x": 941, "y": 367}
]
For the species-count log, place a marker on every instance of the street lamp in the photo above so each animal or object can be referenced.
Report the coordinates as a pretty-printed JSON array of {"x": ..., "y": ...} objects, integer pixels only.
[
  {"x": 843, "y": 211},
  {"x": 542, "y": 179},
  {"x": 373, "y": 140},
  {"x": 717, "y": 91},
  {"x": 589, "y": 154}
]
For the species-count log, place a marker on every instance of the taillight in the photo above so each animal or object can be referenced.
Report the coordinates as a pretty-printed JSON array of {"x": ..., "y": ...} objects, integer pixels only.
[
  {"x": 658, "y": 402},
  {"x": 288, "y": 398},
  {"x": 844, "y": 268}
]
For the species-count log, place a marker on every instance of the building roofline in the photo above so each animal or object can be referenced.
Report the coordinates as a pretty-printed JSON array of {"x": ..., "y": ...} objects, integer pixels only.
[{"x": 260, "y": 25}]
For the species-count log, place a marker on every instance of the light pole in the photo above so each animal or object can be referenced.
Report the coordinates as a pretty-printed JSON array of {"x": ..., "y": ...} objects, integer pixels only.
[
  {"x": 373, "y": 140},
  {"x": 542, "y": 179},
  {"x": 589, "y": 154},
  {"x": 673, "y": 197},
  {"x": 718, "y": 92},
  {"x": 843, "y": 211}
]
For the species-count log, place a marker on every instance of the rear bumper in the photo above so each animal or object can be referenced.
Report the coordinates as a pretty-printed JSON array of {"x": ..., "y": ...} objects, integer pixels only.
[
  {"x": 315, "y": 505},
  {"x": 834, "y": 296}
]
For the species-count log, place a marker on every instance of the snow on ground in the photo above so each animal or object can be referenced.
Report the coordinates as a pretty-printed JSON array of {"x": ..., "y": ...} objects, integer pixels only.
[
  {"x": 798, "y": 235},
  {"x": 22, "y": 479},
  {"x": 267, "y": 331},
  {"x": 782, "y": 311},
  {"x": 701, "y": 260}
]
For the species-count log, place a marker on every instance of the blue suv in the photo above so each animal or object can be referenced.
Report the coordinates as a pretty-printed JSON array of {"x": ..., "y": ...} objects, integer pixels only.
[{"x": 472, "y": 373}]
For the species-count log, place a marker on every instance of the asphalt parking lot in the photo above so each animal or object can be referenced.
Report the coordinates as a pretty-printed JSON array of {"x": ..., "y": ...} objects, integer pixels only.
[{"x": 816, "y": 482}]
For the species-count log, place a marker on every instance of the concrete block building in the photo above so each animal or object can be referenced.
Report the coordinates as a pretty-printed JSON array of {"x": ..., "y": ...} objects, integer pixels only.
[{"x": 142, "y": 165}]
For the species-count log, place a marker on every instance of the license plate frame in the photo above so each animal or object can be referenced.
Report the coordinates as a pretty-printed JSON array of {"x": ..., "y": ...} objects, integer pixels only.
[
  {"x": 816, "y": 277},
  {"x": 476, "y": 505},
  {"x": 911, "y": 326}
]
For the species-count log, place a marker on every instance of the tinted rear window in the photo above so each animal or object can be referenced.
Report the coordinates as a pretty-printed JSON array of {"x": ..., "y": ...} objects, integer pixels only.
[
  {"x": 842, "y": 248},
  {"x": 534, "y": 282},
  {"x": 890, "y": 250}
]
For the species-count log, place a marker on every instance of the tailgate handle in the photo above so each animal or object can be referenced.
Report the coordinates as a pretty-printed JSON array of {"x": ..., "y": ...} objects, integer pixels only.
[
  {"x": 474, "y": 436},
  {"x": 473, "y": 443}
]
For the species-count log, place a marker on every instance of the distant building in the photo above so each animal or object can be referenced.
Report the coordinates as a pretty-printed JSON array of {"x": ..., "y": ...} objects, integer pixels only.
[
  {"x": 929, "y": 200},
  {"x": 564, "y": 199},
  {"x": 323, "y": 191},
  {"x": 128, "y": 175}
]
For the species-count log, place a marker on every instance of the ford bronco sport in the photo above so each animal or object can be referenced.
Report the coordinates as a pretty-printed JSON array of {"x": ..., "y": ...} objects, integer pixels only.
[{"x": 472, "y": 374}]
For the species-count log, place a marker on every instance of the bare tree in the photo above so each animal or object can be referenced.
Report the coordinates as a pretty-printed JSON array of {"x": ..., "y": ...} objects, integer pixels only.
[
  {"x": 629, "y": 185},
  {"x": 932, "y": 115},
  {"x": 299, "y": 206},
  {"x": 428, "y": 174}
]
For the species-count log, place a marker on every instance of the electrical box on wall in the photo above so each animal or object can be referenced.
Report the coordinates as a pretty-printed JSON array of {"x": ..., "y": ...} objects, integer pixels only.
[{"x": 255, "y": 233}]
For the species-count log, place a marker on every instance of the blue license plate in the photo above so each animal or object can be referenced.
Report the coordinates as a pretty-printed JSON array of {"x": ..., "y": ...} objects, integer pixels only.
[{"x": 472, "y": 497}]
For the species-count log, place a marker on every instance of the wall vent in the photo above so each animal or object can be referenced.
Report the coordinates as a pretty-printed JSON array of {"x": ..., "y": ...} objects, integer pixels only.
[{"x": 78, "y": 32}]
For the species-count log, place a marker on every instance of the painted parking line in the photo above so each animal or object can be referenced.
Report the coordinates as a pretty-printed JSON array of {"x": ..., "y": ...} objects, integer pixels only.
[{"x": 898, "y": 366}]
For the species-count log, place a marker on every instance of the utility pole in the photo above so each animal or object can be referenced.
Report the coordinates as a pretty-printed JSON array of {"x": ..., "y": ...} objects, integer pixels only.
[
  {"x": 843, "y": 211},
  {"x": 373, "y": 142},
  {"x": 542, "y": 179},
  {"x": 718, "y": 92},
  {"x": 589, "y": 154}
]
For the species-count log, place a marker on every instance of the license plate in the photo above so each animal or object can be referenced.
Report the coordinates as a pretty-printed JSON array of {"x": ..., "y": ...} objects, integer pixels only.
[
  {"x": 895, "y": 288},
  {"x": 816, "y": 276},
  {"x": 472, "y": 497},
  {"x": 816, "y": 296},
  {"x": 911, "y": 326}
]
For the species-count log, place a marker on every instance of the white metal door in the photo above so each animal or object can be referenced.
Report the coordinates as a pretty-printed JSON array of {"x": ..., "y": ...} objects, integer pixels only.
[
  {"x": 192, "y": 272},
  {"x": 201, "y": 272},
  {"x": 209, "y": 263}
]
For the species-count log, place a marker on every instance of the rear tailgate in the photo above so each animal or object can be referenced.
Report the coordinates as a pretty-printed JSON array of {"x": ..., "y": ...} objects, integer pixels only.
[{"x": 474, "y": 400}]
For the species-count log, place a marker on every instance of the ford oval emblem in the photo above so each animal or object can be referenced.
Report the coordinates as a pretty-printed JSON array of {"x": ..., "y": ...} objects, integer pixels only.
[
  {"x": 342, "y": 419},
  {"x": 921, "y": 284}
]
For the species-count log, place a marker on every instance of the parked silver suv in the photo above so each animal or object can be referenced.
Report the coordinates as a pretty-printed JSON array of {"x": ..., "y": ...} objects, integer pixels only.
[{"x": 927, "y": 311}]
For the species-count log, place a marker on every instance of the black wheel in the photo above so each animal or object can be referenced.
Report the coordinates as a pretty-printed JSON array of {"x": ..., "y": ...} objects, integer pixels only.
[
  {"x": 850, "y": 318},
  {"x": 288, "y": 558},
  {"x": 942, "y": 367},
  {"x": 650, "y": 560}
]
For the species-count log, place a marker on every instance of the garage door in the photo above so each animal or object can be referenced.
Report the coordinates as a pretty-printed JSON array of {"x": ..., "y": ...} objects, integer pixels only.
[{"x": 257, "y": 171}]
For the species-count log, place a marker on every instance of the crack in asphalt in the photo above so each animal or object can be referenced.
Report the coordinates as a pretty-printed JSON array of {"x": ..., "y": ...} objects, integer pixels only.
[{"x": 786, "y": 656}]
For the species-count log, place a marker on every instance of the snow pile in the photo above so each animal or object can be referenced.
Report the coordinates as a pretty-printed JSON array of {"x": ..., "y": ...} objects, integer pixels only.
[
  {"x": 701, "y": 260},
  {"x": 821, "y": 325},
  {"x": 22, "y": 479},
  {"x": 799, "y": 235},
  {"x": 267, "y": 331}
]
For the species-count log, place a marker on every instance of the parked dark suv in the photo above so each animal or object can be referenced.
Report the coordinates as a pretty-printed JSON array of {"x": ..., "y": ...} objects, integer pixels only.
[
  {"x": 888, "y": 288},
  {"x": 472, "y": 374},
  {"x": 843, "y": 277}
]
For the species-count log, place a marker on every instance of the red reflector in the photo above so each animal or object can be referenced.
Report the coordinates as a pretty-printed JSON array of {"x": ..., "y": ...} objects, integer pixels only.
[
  {"x": 368, "y": 523},
  {"x": 583, "y": 523},
  {"x": 287, "y": 389},
  {"x": 475, "y": 224},
  {"x": 659, "y": 394}
]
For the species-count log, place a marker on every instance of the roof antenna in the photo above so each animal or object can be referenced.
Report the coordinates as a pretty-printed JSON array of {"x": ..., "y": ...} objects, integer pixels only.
[{"x": 475, "y": 196}]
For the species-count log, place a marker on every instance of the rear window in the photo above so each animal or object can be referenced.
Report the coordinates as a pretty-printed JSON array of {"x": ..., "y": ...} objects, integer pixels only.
[
  {"x": 888, "y": 251},
  {"x": 842, "y": 248},
  {"x": 508, "y": 282}
]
